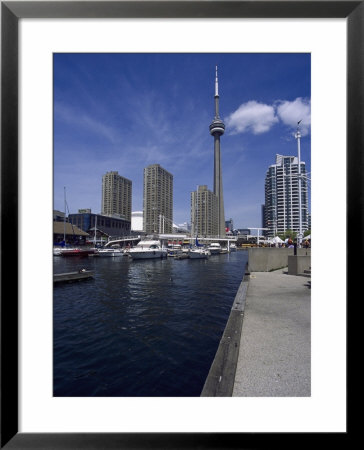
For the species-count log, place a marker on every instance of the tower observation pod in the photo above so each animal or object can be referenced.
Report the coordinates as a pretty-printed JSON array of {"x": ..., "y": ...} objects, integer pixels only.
[{"x": 217, "y": 129}]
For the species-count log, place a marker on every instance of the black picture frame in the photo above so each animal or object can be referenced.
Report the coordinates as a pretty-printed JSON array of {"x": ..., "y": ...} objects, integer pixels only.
[{"x": 11, "y": 12}]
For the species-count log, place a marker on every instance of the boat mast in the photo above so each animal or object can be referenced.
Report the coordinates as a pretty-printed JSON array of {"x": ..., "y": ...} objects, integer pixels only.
[
  {"x": 95, "y": 230},
  {"x": 64, "y": 218}
]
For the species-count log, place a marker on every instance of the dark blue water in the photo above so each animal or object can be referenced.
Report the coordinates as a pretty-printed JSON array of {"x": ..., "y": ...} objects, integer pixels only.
[{"x": 141, "y": 328}]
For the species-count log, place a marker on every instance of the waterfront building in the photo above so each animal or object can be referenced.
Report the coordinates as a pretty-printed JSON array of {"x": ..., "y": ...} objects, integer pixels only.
[
  {"x": 58, "y": 216},
  {"x": 106, "y": 225},
  {"x": 204, "y": 212},
  {"x": 68, "y": 233},
  {"x": 137, "y": 221},
  {"x": 264, "y": 223},
  {"x": 229, "y": 225},
  {"x": 217, "y": 129},
  {"x": 116, "y": 196},
  {"x": 157, "y": 200},
  {"x": 242, "y": 232},
  {"x": 281, "y": 196}
]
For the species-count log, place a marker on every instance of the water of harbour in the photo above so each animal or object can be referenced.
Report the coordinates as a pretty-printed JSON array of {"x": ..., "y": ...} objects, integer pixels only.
[{"x": 141, "y": 328}]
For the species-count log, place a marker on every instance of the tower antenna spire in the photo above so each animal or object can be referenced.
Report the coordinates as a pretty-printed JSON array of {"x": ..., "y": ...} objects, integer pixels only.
[{"x": 216, "y": 85}]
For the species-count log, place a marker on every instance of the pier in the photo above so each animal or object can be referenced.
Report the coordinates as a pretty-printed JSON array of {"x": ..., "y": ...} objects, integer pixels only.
[
  {"x": 72, "y": 276},
  {"x": 220, "y": 380},
  {"x": 265, "y": 350},
  {"x": 275, "y": 346}
]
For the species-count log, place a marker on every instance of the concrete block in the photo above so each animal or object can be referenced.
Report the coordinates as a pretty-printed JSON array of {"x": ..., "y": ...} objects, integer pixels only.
[
  {"x": 267, "y": 259},
  {"x": 298, "y": 264}
]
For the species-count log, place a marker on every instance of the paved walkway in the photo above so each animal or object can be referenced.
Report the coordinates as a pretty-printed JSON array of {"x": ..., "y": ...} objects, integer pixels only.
[{"x": 275, "y": 348}]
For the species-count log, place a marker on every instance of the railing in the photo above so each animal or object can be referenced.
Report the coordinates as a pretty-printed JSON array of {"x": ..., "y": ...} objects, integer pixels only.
[{"x": 127, "y": 238}]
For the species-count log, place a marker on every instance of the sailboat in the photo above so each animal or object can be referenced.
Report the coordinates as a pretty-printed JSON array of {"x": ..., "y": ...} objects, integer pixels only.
[
  {"x": 73, "y": 251},
  {"x": 198, "y": 251}
]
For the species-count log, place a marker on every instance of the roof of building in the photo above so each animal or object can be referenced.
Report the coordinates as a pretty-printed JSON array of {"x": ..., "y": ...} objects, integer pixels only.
[{"x": 59, "y": 228}]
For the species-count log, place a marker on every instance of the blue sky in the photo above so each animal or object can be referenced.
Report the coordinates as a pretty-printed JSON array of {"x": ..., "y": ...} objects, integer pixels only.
[{"x": 123, "y": 112}]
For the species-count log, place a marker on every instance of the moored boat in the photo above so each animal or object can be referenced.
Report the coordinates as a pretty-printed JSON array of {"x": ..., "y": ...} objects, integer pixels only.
[
  {"x": 214, "y": 248},
  {"x": 174, "y": 250},
  {"x": 199, "y": 253},
  {"x": 233, "y": 247},
  {"x": 110, "y": 252},
  {"x": 77, "y": 251},
  {"x": 148, "y": 249}
]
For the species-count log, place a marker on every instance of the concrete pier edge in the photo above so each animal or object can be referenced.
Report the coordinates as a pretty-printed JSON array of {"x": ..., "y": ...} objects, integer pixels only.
[{"x": 221, "y": 376}]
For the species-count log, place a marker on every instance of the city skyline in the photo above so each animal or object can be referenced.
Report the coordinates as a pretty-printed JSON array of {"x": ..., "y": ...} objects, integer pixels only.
[{"x": 123, "y": 112}]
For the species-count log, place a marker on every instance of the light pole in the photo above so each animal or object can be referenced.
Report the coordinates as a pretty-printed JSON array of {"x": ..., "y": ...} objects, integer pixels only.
[
  {"x": 298, "y": 137},
  {"x": 251, "y": 228}
]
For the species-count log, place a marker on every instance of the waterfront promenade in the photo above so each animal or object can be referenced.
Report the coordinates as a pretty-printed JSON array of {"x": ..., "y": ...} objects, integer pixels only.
[{"x": 275, "y": 345}]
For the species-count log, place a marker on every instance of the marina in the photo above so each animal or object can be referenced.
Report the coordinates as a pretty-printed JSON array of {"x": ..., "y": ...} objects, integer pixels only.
[{"x": 141, "y": 328}]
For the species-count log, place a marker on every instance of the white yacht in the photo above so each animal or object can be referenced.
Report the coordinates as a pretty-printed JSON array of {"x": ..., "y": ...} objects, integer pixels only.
[
  {"x": 148, "y": 249},
  {"x": 233, "y": 247},
  {"x": 110, "y": 252},
  {"x": 214, "y": 248}
]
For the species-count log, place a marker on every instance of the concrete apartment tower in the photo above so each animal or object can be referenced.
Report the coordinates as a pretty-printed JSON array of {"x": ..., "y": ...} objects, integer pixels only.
[
  {"x": 116, "y": 196},
  {"x": 217, "y": 128},
  {"x": 157, "y": 200},
  {"x": 282, "y": 203},
  {"x": 203, "y": 212}
]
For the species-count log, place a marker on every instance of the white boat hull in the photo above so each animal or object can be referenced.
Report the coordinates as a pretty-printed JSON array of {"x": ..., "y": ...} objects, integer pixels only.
[
  {"x": 147, "y": 254},
  {"x": 110, "y": 253},
  {"x": 197, "y": 254},
  {"x": 214, "y": 248}
]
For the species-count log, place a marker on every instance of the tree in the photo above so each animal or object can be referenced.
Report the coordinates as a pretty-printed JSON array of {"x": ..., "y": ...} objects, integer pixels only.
[
  {"x": 288, "y": 234},
  {"x": 306, "y": 233}
]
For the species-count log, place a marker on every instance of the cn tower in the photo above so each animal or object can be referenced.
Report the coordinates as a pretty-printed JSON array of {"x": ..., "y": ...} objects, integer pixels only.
[{"x": 217, "y": 128}]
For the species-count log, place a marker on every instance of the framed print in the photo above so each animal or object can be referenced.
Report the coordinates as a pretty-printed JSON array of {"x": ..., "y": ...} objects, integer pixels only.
[{"x": 27, "y": 30}]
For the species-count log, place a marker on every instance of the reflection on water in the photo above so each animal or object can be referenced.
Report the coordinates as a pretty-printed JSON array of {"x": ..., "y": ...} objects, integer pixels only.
[{"x": 141, "y": 328}]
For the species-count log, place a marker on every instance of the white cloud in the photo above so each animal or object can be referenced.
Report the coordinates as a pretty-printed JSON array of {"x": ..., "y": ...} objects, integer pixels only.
[
  {"x": 252, "y": 116},
  {"x": 292, "y": 112},
  {"x": 259, "y": 118}
]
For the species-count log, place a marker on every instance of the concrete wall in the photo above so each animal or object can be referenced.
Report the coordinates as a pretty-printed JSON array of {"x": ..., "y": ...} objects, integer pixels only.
[
  {"x": 298, "y": 264},
  {"x": 265, "y": 259}
]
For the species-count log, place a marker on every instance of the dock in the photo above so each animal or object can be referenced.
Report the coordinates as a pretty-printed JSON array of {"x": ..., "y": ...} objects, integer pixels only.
[
  {"x": 72, "y": 276},
  {"x": 265, "y": 350}
]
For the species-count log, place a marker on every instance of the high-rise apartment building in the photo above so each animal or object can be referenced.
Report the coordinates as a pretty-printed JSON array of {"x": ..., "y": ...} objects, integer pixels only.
[
  {"x": 116, "y": 196},
  {"x": 204, "y": 212},
  {"x": 157, "y": 200},
  {"x": 282, "y": 198},
  {"x": 264, "y": 221}
]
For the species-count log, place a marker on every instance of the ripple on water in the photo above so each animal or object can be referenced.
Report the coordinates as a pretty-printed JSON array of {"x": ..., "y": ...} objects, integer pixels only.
[{"x": 141, "y": 328}]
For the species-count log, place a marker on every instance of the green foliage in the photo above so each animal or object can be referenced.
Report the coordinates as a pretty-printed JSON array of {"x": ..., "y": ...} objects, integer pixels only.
[
  {"x": 288, "y": 234},
  {"x": 306, "y": 233}
]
